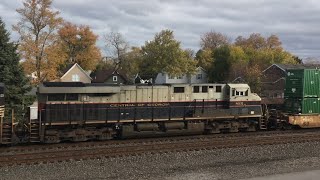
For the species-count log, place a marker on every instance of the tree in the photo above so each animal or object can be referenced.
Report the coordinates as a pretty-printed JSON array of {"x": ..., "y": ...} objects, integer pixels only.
[
  {"x": 212, "y": 40},
  {"x": 264, "y": 51},
  {"x": 229, "y": 63},
  {"x": 255, "y": 41},
  {"x": 221, "y": 64},
  {"x": 298, "y": 60},
  {"x": 37, "y": 28},
  {"x": 118, "y": 45},
  {"x": 253, "y": 76},
  {"x": 11, "y": 73},
  {"x": 204, "y": 58},
  {"x": 78, "y": 44},
  {"x": 238, "y": 62},
  {"x": 164, "y": 54},
  {"x": 56, "y": 60},
  {"x": 273, "y": 42},
  {"x": 131, "y": 62}
]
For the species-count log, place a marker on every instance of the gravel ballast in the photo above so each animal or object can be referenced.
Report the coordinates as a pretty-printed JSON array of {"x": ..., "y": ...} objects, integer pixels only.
[{"x": 234, "y": 163}]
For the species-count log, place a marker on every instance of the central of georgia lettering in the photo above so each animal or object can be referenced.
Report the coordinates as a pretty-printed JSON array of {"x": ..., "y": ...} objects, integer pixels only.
[{"x": 140, "y": 105}]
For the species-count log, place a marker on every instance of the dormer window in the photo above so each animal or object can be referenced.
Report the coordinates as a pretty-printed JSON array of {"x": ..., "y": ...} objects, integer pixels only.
[
  {"x": 115, "y": 78},
  {"x": 75, "y": 78},
  {"x": 199, "y": 76}
]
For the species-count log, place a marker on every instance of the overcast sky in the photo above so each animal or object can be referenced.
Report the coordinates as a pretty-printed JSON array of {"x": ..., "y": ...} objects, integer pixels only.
[{"x": 296, "y": 22}]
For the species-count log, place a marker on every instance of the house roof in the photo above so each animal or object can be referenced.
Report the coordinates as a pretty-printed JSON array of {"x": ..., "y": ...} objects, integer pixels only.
[
  {"x": 201, "y": 68},
  {"x": 69, "y": 67},
  {"x": 102, "y": 75},
  {"x": 285, "y": 67}
]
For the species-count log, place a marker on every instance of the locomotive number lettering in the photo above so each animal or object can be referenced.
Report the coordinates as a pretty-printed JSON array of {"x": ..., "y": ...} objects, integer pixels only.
[{"x": 239, "y": 103}]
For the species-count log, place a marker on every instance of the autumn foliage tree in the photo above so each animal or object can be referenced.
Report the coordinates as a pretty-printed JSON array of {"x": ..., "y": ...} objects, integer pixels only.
[
  {"x": 78, "y": 45},
  {"x": 212, "y": 40},
  {"x": 37, "y": 29},
  {"x": 131, "y": 62},
  {"x": 246, "y": 58},
  {"x": 164, "y": 54},
  {"x": 204, "y": 58}
]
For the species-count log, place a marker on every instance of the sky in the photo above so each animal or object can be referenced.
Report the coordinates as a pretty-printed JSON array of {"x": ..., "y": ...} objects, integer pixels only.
[{"x": 295, "y": 22}]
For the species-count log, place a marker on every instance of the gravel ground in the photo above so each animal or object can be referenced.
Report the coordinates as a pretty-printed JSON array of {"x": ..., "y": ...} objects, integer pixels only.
[{"x": 235, "y": 163}]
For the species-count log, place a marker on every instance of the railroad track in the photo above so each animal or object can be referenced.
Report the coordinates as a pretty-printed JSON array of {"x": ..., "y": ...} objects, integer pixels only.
[
  {"x": 137, "y": 148},
  {"x": 31, "y": 148}
]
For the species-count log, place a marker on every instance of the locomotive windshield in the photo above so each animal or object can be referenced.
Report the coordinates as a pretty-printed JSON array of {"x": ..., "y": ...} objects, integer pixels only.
[{"x": 236, "y": 92}]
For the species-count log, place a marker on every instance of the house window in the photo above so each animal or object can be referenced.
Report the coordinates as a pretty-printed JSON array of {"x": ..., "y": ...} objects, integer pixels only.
[
  {"x": 178, "y": 89},
  {"x": 75, "y": 78},
  {"x": 115, "y": 78},
  {"x": 204, "y": 89},
  {"x": 171, "y": 77},
  {"x": 196, "y": 89},
  {"x": 179, "y": 77},
  {"x": 218, "y": 88},
  {"x": 199, "y": 76}
]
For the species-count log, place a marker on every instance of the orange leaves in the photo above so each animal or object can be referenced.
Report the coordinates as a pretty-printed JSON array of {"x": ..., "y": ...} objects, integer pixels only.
[
  {"x": 37, "y": 29},
  {"x": 78, "y": 43}
]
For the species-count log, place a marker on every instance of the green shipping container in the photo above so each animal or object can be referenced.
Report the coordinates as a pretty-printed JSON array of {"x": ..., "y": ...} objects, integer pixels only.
[
  {"x": 302, "y": 83},
  {"x": 303, "y": 106}
]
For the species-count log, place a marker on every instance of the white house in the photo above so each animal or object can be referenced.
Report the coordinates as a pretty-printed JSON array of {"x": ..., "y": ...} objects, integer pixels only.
[{"x": 199, "y": 77}]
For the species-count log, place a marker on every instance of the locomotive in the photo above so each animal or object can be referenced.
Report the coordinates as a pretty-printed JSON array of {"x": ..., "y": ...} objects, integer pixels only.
[{"x": 76, "y": 111}]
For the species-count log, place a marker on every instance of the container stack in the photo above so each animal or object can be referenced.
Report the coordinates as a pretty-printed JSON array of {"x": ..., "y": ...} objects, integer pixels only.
[{"x": 302, "y": 91}]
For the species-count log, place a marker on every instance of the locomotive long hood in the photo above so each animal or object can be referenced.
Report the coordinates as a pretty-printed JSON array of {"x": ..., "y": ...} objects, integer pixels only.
[{"x": 76, "y": 89}]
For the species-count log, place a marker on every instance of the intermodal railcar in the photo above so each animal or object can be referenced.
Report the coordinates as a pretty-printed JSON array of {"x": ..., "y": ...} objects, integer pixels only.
[{"x": 302, "y": 98}]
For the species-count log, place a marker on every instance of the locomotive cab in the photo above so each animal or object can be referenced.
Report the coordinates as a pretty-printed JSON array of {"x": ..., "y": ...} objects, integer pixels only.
[
  {"x": 240, "y": 92},
  {"x": 240, "y": 96}
]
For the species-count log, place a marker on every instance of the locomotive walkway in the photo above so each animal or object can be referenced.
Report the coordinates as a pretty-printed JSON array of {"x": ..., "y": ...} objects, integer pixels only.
[{"x": 94, "y": 150}]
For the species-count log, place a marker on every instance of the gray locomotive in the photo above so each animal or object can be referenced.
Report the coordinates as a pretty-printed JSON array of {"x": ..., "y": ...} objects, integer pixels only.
[{"x": 76, "y": 111}]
